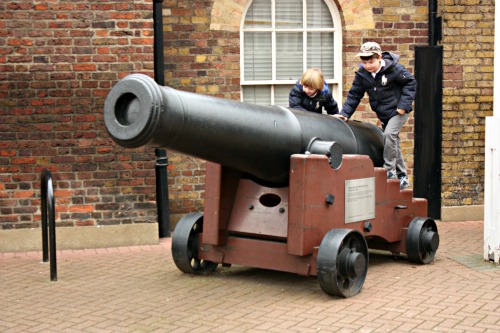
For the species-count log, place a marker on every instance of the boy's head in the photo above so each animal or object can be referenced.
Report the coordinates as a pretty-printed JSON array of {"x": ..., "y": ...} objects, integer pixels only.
[
  {"x": 369, "y": 49},
  {"x": 312, "y": 81},
  {"x": 371, "y": 56}
]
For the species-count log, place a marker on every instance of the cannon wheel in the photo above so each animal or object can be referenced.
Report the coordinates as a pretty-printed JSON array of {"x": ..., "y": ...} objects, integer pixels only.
[
  {"x": 342, "y": 262},
  {"x": 422, "y": 240},
  {"x": 185, "y": 245}
]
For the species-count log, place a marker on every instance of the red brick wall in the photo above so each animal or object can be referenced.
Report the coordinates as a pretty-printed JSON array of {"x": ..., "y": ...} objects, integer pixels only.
[
  {"x": 200, "y": 60},
  {"x": 468, "y": 45},
  {"x": 58, "y": 60}
]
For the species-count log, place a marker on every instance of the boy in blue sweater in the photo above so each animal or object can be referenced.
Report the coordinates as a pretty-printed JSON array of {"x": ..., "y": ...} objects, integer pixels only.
[
  {"x": 391, "y": 90},
  {"x": 311, "y": 93}
]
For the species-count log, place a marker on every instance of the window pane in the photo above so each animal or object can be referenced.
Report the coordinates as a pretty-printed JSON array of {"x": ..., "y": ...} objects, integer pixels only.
[
  {"x": 334, "y": 89},
  {"x": 288, "y": 14},
  {"x": 318, "y": 15},
  {"x": 281, "y": 93},
  {"x": 289, "y": 55},
  {"x": 257, "y": 56},
  {"x": 260, "y": 95},
  {"x": 320, "y": 52},
  {"x": 280, "y": 39},
  {"x": 258, "y": 15}
]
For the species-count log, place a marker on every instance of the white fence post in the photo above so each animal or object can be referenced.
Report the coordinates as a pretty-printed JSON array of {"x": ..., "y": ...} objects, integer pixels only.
[
  {"x": 492, "y": 163},
  {"x": 492, "y": 191}
]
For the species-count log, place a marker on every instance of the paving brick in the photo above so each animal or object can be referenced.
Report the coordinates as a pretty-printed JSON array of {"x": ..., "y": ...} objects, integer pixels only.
[{"x": 139, "y": 289}]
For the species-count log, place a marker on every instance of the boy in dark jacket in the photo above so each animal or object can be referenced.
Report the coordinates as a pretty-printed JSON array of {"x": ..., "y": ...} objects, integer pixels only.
[
  {"x": 391, "y": 90},
  {"x": 311, "y": 93}
]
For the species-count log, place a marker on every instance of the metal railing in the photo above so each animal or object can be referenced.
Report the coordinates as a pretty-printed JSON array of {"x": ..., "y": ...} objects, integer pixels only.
[{"x": 48, "y": 204}]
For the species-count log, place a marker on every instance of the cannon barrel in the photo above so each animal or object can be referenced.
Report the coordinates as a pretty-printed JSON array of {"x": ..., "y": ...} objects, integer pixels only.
[{"x": 258, "y": 140}]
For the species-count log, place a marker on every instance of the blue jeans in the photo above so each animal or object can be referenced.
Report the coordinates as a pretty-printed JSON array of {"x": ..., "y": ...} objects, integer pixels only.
[{"x": 393, "y": 156}]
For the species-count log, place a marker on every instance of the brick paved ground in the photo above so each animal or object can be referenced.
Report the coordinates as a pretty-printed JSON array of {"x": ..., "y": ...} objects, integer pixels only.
[{"x": 139, "y": 289}]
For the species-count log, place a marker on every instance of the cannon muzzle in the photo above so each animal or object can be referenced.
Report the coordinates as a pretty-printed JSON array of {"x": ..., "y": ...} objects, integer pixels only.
[{"x": 254, "y": 139}]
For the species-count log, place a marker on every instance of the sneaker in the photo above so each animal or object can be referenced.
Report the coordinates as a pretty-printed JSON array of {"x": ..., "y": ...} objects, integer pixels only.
[
  {"x": 391, "y": 174},
  {"x": 404, "y": 182}
]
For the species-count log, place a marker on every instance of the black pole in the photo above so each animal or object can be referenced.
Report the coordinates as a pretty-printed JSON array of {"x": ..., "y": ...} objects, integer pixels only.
[
  {"x": 162, "y": 202},
  {"x": 435, "y": 24},
  {"x": 43, "y": 208},
  {"x": 159, "y": 67},
  {"x": 432, "y": 22},
  {"x": 48, "y": 203},
  {"x": 162, "y": 193}
]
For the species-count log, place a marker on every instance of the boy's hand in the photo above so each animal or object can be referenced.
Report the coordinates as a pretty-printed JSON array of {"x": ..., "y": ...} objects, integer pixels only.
[
  {"x": 341, "y": 117},
  {"x": 401, "y": 111}
]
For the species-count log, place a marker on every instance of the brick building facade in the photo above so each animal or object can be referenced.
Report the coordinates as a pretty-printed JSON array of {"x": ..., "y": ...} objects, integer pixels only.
[
  {"x": 468, "y": 32},
  {"x": 59, "y": 59}
]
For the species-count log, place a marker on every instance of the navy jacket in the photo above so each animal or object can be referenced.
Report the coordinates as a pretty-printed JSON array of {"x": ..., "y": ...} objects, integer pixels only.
[
  {"x": 298, "y": 99},
  {"x": 392, "y": 88}
]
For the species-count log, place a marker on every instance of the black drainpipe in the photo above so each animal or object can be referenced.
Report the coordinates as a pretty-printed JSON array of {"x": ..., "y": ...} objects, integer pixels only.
[
  {"x": 435, "y": 24},
  {"x": 162, "y": 202}
]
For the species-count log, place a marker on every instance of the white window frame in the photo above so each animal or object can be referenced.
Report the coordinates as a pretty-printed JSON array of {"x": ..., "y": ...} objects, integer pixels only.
[{"x": 334, "y": 83}]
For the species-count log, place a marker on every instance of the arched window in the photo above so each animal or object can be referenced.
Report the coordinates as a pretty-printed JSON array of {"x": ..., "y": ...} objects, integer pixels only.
[{"x": 280, "y": 39}]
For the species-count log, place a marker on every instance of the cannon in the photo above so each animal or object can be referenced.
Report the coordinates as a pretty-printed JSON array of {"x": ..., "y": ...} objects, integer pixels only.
[{"x": 285, "y": 189}]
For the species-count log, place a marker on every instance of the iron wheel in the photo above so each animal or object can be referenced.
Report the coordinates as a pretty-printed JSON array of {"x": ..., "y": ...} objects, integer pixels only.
[
  {"x": 342, "y": 262},
  {"x": 185, "y": 244},
  {"x": 422, "y": 240}
]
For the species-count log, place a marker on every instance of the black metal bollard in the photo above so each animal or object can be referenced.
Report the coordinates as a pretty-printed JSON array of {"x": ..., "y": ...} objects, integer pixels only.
[{"x": 48, "y": 204}]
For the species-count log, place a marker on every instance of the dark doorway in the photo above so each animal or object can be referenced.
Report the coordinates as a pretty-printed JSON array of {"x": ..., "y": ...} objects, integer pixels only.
[{"x": 428, "y": 127}]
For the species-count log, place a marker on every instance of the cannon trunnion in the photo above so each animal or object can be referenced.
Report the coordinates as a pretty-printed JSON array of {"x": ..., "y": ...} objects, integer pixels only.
[{"x": 285, "y": 190}]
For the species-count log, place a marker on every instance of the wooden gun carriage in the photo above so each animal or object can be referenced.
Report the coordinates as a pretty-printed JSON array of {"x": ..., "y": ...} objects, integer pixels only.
[{"x": 285, "y": 189}]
